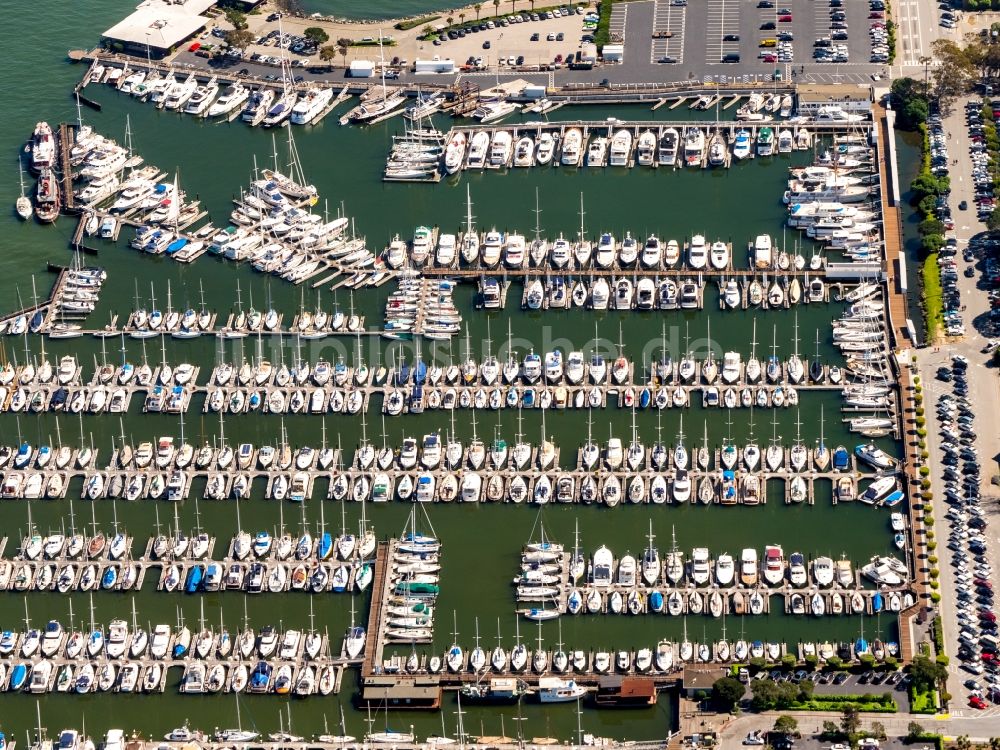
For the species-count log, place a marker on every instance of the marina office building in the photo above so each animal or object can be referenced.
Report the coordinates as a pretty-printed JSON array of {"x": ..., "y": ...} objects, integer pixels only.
[
  {"x": 158, "y": 26},
  {"x": 854, "y": 100}
]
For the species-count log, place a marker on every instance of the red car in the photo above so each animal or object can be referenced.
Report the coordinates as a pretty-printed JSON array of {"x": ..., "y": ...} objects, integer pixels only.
[
  {"x": 876, "y": 14},
  {"x": 977, "y": 702},
  {"x": 787, "y": 18},
  {"x": 770, "y": 58},
  {"x": 987, "y": 615}
]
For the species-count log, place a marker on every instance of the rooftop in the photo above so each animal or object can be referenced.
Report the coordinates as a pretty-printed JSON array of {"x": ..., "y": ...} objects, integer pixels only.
[
  {"x": 833, "y": 91},
  {"x": 161, "y": 23}
]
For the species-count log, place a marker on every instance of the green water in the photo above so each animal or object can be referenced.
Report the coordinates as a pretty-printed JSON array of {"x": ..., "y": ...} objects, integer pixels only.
[
  {"x": 481, "y": 543},
  {"x": 361, "y": 9}
]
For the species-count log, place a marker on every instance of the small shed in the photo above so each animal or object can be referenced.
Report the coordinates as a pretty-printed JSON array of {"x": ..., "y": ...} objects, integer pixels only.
[
  {"x": 361, "y": 69},
  {"x": 613, "y": 53}
]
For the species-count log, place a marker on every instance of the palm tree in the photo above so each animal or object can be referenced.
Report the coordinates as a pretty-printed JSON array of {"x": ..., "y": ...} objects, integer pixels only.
[
  {"x": 450, "y": 20},
  {"x": 496, "y": 5},
  {"x": 327, "y": 52},
  {"x": 461, "y": 18},
  {"x": 513, "y": 4},
  {"x": 342, "y": 44},
  {"x": 477, "y": 7},
  {"x": 532, "y": 5}
]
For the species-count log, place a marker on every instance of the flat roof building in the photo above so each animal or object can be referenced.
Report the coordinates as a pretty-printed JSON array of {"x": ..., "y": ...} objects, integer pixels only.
[{"x": 159, "y": 26}]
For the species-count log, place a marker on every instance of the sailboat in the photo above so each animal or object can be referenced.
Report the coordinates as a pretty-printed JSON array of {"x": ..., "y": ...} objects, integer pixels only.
[
  {"x": 377, "y": 105},
  {"x": 23, "y": 203},
  {"x": 651, "y": 561}
]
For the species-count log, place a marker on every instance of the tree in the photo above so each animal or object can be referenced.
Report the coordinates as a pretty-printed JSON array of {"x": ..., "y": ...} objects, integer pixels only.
[
  {"x": 450, "y": 20},
  {"x": 925, "y": 673},
  {"x": 916, "y": 110},
  {"x": 513, "y": 5},
  {"x": 830, "y": 729},
  {"x": 849, "y": 719},
  {"x": 342, "y": 44},
  {"x": 910, "y": 103},
  {"x": 461, "y": 18},
  {"x": 727, "y": 692},
  {"x": 289, "y": 6},
  {"x": 951, "y": 78},
  {"x": 327, "y": 52},
  {"x": 878, "y": 729},
  {"x": 786, "y": 725},
  {"x": 765, "y": 695},
  {"x": 316, "y": 35},
  {"x": 993, "y": 222},
  {"x": 963, "y": 743},
  {"x": 914, "y": 731},
  {"x": 239, "y": 38},
  {"x": 477, "y": 7},
  {"x": 237, "y": 19},
  {"x": 496, "y": 8}
]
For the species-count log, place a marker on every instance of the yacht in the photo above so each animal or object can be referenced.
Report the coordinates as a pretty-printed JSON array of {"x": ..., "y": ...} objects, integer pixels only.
[
  {"x": 602, "y": 567},
  {"x": 761, "y": 252},
  {"x": 454, "y": 153},
  {"x": 697, "y": 252},
  {"x": 500, "y": 149},
  {"x": 774, "y": 564},
  {"x": 556, "y": 690},
  {"x": 493, "y": 111},
  {"x": 231, "y": 98},
  {"x": 765, "y": 141},
  {"x": 179, "y": 93},
  {"x": 645, "y": 150},
  {"x": 669, "y": 142},
  {"x": 694, "y": 147},
  {"x": 742, "y": 146},
  {"x": 621, "y": 148},
  {"x": 311, "y": 103},
  {"x": 719, "y": 255},
  {"x": 700, "y": 566},
  {"x": 545, "y": 148},
  {"x": 725, "y": 569},
  {"x": 202, "y": 98},
  {"x": 748, "y": 566},
  {"x": 597, "y": 151},
  {"x": 478, "y": 149},
  {"x": 257, "y": 105},
  {"x": 652, "y": 252},
  {"x": 43, "y": 148},
  {"x": 717, "y": 150},
  {"x": 571, "y": 144}
]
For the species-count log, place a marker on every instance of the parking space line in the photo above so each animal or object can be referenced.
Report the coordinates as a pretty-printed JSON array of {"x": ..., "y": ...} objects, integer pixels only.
[{"x": 670, "y": 19}]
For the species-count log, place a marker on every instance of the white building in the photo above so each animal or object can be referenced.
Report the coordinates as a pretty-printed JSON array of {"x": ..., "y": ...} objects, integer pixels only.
[
  {"x": 852, "y": 99},
  {"x": 158, "y": 26}
]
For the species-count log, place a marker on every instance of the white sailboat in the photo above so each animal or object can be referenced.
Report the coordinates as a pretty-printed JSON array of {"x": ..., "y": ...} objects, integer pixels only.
[{"x": 23, "y": 203}]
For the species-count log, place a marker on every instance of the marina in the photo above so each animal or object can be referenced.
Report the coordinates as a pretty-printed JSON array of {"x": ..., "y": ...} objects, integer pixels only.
[{"x": 568, "y": 366}]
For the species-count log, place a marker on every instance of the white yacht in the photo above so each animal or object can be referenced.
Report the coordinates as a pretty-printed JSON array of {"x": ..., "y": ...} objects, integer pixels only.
[
  {"x": 694, "y": 147},
  {"x": 669, "y": 144},
  {"x": 311, "y": 103},
  {"x": 202, "y": 98},
  {"x": 621, "y": 148},
  {"x": 645, "y": 150},
  {"x": 697, "y": 252},
  {"x": 231, "y": 98},
  {"x": 571, "y": 144}
]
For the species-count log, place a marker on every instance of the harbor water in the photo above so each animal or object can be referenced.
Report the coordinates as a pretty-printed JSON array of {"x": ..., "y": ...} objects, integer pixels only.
[{"x": 481, "y": 542}]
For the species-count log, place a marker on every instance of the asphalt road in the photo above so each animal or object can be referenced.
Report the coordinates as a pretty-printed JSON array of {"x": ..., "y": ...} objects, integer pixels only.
[{"x": 983, "y": 390}]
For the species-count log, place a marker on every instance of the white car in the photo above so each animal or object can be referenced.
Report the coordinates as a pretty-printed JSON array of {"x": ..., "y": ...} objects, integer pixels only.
[{"x": 754, "y": 738}]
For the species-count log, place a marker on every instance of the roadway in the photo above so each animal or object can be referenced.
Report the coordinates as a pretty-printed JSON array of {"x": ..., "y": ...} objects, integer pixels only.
[{"x": 983, "y": 389}]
